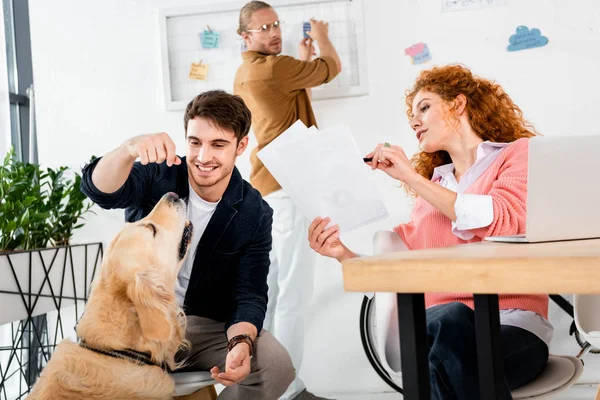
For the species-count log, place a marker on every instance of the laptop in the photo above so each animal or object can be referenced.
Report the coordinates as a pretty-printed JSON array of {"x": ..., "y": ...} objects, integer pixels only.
[{"x": 563, "y": 190}]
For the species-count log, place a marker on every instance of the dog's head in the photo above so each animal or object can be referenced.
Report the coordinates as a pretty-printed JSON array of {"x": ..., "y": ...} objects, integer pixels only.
[{"x": 141, "y": 264}]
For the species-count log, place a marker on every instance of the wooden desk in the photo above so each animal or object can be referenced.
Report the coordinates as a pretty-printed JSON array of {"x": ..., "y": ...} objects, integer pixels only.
[{"x": 484, "y": 269}]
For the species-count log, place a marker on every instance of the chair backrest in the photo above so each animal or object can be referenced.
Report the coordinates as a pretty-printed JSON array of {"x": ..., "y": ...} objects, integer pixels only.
[
  {"x": 586, "y": 309},
  {"x": 387, "y": 242}
]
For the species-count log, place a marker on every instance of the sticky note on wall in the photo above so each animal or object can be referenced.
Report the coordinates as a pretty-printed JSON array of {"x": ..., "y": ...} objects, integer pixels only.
[
  {"x": 305, "y": 28},
  {"x": 210, "y": 39},
  {"x": 198, "y": 71},
  {"x": 419, "y": 53},
  {"x": 525, "y": 39}
]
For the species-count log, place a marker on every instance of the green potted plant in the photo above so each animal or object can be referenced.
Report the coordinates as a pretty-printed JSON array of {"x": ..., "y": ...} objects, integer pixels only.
[
  {"x": 38, "y": 207},
  {"x": 42, "y": 272}
]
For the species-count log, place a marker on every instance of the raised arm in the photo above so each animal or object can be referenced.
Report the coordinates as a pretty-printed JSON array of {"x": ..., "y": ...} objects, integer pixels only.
[
  {"x": 296, "y": 74},
  {"x": 505, "y": 213},
  {"x": 319, "y": 31},
  {"x": 114, "y": 168}
]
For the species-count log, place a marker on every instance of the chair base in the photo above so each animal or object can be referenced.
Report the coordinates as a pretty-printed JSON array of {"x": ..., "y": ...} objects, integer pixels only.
[{"x": 206, "y": 393}]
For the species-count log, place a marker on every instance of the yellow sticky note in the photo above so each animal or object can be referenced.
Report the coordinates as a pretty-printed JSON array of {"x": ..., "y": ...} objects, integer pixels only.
[{"x": 198, "y": 71}]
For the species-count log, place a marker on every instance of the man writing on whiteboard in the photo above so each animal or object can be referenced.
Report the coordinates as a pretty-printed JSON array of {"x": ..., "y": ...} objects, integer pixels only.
[{"x": 276, "y": 89}]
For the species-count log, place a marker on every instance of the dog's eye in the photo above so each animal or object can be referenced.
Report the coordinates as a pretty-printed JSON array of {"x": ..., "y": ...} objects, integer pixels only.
[{"x": 152, "y": 228}]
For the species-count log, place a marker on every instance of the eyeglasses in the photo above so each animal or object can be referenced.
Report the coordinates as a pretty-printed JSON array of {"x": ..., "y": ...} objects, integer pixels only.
[{"x": 265, "y": 28}]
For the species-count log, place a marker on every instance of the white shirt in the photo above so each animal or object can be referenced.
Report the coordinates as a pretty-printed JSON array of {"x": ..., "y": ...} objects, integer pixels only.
[
  {"x": 199, "y": 213},
  {"x": 477, "y": 211}
]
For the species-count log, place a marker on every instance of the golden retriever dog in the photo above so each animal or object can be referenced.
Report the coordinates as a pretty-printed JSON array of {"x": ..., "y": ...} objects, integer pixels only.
[{"x": 132, "y": 326}]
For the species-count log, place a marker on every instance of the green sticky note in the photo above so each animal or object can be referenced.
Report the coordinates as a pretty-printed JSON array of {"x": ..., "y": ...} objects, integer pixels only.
[{"x": 210, "y": 39}]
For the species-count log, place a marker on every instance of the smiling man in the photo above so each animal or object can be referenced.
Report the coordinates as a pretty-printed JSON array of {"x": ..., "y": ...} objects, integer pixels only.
[
  {"x": 222, "y": 285},
  {"x": 276, "y": 89}
]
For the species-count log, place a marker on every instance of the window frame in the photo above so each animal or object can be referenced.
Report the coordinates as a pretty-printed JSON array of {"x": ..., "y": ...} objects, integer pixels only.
[{"x": 20, "y": 77}]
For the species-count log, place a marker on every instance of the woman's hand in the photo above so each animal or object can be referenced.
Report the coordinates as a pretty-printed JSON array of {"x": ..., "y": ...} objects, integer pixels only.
[
  {"x": 327, "y": 242},
  {"x": 393, "y": 161}
]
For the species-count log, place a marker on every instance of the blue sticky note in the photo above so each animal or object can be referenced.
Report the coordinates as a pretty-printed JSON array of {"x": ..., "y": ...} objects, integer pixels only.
[
  {"x": 210, "y": 39},
  {"x": 305, "y": 28},
  {"x": 422, "y": 57},
  {"x": 525, "y": 39}
]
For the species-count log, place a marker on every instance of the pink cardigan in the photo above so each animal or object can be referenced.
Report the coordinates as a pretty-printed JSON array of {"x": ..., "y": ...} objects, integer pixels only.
[{"x": 506, "y": 181}]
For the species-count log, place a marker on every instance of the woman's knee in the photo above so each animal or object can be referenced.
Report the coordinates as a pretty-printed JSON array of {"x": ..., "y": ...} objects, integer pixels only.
[
  {"x": 455, "y": 315},
  {"x": 448, "y": 325},
  {"x": 525, "y": 355}
]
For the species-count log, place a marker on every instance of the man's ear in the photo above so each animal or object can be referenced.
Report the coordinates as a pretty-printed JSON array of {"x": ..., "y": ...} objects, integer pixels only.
[
  {"x": 241, "y": 147},
  {"x": 152, "y": 303},
  {"x": 246, "y": 38}
]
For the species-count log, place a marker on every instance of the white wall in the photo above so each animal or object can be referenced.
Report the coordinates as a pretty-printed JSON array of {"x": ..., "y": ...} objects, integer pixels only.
[{"x": 98, "y": 79}]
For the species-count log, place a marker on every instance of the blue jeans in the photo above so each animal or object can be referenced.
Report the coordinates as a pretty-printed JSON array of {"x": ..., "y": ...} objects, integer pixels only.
[{"x": 453, "y": 354}]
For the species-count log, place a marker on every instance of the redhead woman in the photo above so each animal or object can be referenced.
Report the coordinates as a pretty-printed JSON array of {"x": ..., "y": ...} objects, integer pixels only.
[{"x": 470, "y": 182}]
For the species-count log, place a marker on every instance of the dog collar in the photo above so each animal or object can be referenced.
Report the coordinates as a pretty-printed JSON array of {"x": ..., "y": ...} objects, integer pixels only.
[{"x": 134, "y": 356}]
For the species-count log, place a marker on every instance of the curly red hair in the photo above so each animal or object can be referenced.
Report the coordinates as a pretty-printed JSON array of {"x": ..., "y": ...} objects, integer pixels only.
[{"x": 492, "y": 113}]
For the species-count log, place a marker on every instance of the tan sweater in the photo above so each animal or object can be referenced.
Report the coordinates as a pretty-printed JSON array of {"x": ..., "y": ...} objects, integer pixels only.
[{"x": 274, "y": 89}]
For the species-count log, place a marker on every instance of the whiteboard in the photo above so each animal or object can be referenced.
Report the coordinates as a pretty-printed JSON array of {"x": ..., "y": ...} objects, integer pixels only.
[{"x": 180, "y": 30}]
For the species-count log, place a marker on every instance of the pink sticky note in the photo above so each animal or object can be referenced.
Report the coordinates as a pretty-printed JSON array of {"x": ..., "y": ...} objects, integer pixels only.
[
  {"x": 414, "y": 49},
  {"x": 419, "y": 53}
]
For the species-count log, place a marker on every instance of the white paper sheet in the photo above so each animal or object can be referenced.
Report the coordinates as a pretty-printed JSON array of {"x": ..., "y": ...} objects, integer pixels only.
[{"x": 324, "y": 174}]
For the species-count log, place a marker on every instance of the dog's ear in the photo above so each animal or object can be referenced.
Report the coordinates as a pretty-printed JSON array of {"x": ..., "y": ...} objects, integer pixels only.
[{"x": 152, "y": 303}]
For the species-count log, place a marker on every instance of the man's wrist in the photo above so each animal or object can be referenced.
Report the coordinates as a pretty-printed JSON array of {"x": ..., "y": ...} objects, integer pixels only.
[
  {"x": 242, "y": 346},
  {"x": 243, "y": 338},
  {"x": 324, "y": 40},
  {"x": 125, "y": 150}
]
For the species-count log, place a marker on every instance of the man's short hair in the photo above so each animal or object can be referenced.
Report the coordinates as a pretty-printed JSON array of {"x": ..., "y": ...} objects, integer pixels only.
[
  {"x": 226, "y": 111},
  {"x": 246, "y": 14}
]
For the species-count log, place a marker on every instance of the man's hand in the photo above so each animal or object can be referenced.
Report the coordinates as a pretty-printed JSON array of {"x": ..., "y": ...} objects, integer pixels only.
[
  {"x": 153, "y": 148},
  {"x": 306, "y": 50},
  {"x": 237, "y": 366},
  {"x": 319, "y": 30}
]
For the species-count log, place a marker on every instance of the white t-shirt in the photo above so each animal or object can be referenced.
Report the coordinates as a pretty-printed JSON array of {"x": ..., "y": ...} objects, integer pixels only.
[{"x": 199, "y": 213}]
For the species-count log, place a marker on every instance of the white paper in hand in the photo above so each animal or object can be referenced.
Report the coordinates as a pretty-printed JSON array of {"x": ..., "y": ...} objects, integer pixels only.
[
  {"x": 271, "y": 157},
  {"x": 324, "y": 175}
]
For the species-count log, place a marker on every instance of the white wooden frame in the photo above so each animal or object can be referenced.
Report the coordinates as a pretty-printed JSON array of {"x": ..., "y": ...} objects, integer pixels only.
[{"x": 326, "y": 93}]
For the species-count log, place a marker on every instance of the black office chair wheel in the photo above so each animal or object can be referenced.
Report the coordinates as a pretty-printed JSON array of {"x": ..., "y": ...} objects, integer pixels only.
[
  {"x": 366, "y": 337},
  {"x": 582, "y": 343}
]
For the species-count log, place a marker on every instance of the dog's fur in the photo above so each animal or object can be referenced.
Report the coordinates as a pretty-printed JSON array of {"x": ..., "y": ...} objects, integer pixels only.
[{"x": 132, "y": 305}]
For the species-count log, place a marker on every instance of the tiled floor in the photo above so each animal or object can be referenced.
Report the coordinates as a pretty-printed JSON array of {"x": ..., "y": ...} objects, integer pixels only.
[{"x": 577, "y": 392}]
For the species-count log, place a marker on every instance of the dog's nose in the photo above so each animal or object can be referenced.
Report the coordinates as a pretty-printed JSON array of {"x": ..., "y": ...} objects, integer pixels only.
[{"x": 172, "y": 197}]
